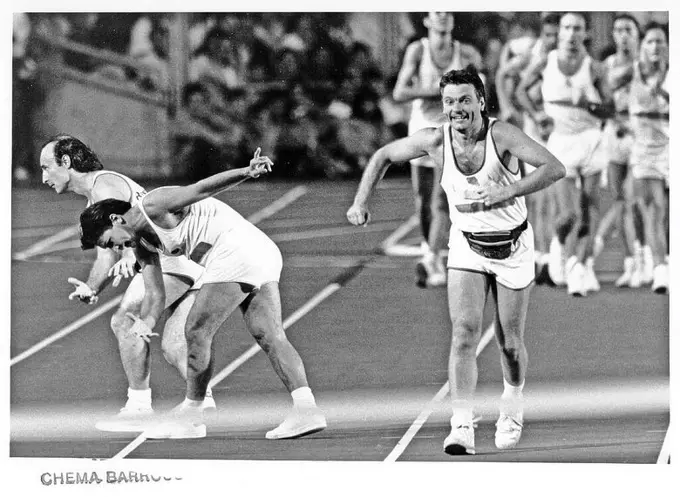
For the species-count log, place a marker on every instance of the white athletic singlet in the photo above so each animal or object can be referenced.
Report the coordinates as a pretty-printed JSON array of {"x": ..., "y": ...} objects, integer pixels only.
[
  {"x": 205, "y": 224},
  {"x": 428, "y": 111},
  {"x": 622, "y": 94},
  {"x": 649, "y": 111},
  {"x": 136, "y": 190},
  {"x": 649, "y": 119},
  {"x": 468, "y": 213},
  {"x": 229, "y": 247},
  {"x": 561, "y": 93}
]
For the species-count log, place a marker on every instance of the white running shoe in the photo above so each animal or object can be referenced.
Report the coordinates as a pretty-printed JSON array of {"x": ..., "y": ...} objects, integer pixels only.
[
  {"x": 660, "y": 280},
  {"x": 575, "y": 278},
  {"x": 509, "y": 429},
  {"x": 176, "y": 430},
  {"x": 130, "y": 419},
  {"x": 460, "y": 441},
  {"x": 300, "y": 421},
  {"x": 556, "y": 262},
  {"x": 182, "y": 422},
  {"x": 438, "y": 275},
  {"x": 590, "y": 282},
  {"x": 627, "y": 276}
]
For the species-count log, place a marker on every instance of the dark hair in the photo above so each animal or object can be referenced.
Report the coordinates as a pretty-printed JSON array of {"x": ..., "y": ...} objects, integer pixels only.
[
  {"x": 467, "y": 76},
  {"x": 654, "y": 25},
  {"x": 83, "y": 159},
  {"x": 96, "y": 219},
  {"x": 624, "y": 16},
  {"x": 583, "y": 15},
  {"x": 550, "y": 18}
]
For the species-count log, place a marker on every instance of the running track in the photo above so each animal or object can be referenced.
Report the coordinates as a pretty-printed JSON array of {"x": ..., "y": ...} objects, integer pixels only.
[{"x": 375, "y": 348}]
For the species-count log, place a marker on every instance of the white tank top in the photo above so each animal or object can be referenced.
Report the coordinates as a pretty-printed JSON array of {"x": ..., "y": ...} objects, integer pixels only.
[
  {"x": 205, "y": 224},
  {"x": 622, "y": 94},
  {"x": 136, "y": 190},
  {"x": 429, "y": 74},
  {"x": 468, "y": 213},
  {"x": 560, "y": 94},
  {"x": 649, "y": 111}
]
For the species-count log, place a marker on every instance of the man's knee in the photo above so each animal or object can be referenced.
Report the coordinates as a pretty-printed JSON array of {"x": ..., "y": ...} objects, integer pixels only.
[
  {"x": 120, "y": 323},
  {"x": 464, "y": 335}
]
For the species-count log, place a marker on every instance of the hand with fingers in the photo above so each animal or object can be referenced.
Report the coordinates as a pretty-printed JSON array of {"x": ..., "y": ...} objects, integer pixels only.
[
  {"x": 82, "y": 292},
  {"x": 358, "y": 215},
  {"x": 259, "y": 165},
  {"x": 140, "y": 329},
  {"x": 124, "y": 268}
]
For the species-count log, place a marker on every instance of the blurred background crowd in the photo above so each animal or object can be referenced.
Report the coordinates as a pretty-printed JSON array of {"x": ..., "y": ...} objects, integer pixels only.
[{"x": 187, "y": 94}]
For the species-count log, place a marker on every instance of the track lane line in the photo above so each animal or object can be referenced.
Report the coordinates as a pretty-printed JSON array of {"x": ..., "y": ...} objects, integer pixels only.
[
  {"x": 268, "y": 211},
  {"x": 42, "y": 245},
  {"x": 431, "y": 406},
  {"x": 665, "y": 454}
]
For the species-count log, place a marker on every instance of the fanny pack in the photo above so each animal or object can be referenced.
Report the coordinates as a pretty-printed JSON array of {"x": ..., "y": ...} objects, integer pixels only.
[{"x": 494, "y": 244}]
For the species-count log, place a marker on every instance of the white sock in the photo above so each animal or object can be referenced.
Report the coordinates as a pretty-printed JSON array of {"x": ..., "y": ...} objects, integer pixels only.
[
  {"x": 139, "y": 397},
  {"x": 191, "y": 403},
  {"x": 462, "y": 414},
  {"x": 208, "y": 392},
  {"x": 303, "y": 397},
  {"x": 511, "y": 391},
  {"x": 539, "y": 257}
]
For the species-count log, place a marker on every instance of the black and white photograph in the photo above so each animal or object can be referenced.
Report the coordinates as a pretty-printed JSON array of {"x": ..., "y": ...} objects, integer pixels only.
[{"x": 261, "y": 249}]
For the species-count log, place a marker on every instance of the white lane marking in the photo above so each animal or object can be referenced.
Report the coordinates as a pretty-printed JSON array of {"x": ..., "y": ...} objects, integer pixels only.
[
  {"x": 258, "y": 216},
  {"x": 45, "y": 244},
  {"x": 324, "y": 232},
  {"x": 18, "y": 233},
  {"x": 399, "y": 233},
  {"x": 665, "y": 454},
  {"x": 288, "y": 198},
  {"x": 430, "y": 407},
  {"x": 67, "y": 330}
]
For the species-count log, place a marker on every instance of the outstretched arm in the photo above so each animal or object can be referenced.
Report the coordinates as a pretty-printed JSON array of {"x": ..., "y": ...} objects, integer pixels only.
[
  {"x": 411, "y": 147},
  {"x": 187, "y": 195}
]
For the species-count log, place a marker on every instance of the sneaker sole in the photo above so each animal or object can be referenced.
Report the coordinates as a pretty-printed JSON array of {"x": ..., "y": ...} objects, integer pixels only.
[
  {"x": 199, "y": 432},
  {"x": 421, "y": 275},
  {"x": 302, "y": 432}
]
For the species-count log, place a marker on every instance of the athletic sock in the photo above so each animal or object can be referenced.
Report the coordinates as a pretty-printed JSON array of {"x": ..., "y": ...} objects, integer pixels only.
[
  {"x": 303, "y": 397},
  {"x": 139, "y": 398},
  {"x": 512, "y": 391},
  {"x": 191, "y": 403},
  {"x": 462, "y": 414}
]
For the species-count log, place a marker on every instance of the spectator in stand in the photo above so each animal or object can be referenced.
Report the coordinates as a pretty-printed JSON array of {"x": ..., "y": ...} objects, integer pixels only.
[
  {"x": 215, "y": 65},
  {"x": 153, "y": 73},
  {"x": 83, "y": 29},
  {"x": 361, "y": 135},
  {"x": 23, "y": 77}
]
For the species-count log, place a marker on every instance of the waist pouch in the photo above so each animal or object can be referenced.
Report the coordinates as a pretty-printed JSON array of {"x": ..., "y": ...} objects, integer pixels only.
[{"x": 494, "y": 244}]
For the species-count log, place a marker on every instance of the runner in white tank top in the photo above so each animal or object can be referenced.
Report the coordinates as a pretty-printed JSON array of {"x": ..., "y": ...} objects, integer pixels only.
[
  {"x": 576, "y": 100},
  {"x": 69, "y": 165},
  {"x": 425, "y": 61},
  {"x": 619, "y": 139},
  {"x": 242, "y": 269},
  {"x": 649, "y": 116},
  {"x": 512, "y": 100},
  {"x": 485, "y": 189}
]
